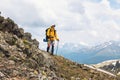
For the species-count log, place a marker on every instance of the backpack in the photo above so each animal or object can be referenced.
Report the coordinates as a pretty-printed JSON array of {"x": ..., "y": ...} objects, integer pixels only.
[
  {"x": 46, "y": 37},
  {"x": 46, "y": 34},
  {"x": 46, "y": 31}
]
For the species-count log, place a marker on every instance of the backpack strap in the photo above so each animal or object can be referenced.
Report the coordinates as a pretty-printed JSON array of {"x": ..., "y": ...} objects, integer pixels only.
[
  {"x": 55, "y": 32},
  {"x": 47, "y": 31}
]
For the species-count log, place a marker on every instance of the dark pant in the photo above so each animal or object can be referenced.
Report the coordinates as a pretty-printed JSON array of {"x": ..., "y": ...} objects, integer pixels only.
[{"x": 50, "y": 45}]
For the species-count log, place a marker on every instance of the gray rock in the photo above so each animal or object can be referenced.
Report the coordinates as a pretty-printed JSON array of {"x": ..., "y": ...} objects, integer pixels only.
[
  {"x": 1, "y": 75},
  {"x": 27, "y": 36},
  {"x": 35, "y": 42}
]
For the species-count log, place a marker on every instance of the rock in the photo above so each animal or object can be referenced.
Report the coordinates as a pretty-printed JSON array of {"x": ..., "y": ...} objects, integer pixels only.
[
  {"x": 27, "y": 51},
  {"x": 52, "y": 74},
  {"x": 1, "y": 19},
  {"x": 20, "y": 44},
  {"x": 39, "y": 58},
  {"x": 77, "y": 78},
  {"x": 1, "y": 26},
  {"x": 1, "y": 75},
  {"x": 35, "y": 42},
  {"x": 11, "y": 62},
  {"x": 8, "y": 25},
  {"x": 4, "y": 51},
  {"x": 72, "y": 78},
  {"x": 15, "y": 73},
  {"x": 11, "y": 39},
  {"x": 19, "y": 32},
  {"x": 85, "y": 68},
  {"x": 118, "y": 73},
  {"x": 27, "y": 36},
  {"x": 15, "y": 27},
  {"x": 32, "y": 75}
]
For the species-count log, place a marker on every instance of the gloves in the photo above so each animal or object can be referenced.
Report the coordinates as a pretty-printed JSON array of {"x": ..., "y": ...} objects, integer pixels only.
[{"x": 57, "y": 39}]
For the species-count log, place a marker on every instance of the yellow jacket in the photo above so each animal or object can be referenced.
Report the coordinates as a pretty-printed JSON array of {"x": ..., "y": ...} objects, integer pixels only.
[{"x": 52, "y": 35}]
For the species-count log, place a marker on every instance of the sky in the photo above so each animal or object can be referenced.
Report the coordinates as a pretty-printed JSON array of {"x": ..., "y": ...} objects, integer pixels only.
[{"x": 86, "y": 22}]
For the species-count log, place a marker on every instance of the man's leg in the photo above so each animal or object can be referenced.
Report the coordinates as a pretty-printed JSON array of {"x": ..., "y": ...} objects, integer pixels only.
[
  {"x": 48, "y": 46},
  {"x": 52, "y": 51}
]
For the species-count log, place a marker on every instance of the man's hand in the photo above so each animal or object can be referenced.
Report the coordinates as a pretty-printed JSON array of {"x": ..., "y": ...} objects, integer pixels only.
[{"x": 57, "y": 39}]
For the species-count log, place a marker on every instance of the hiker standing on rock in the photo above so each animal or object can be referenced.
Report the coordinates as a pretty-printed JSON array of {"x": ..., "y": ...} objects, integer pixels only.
[{"x": 51, "y": 36}]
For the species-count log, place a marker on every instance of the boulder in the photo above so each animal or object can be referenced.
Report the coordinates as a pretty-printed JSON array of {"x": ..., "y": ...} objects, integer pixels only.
[{"x": 27, "y": 36}]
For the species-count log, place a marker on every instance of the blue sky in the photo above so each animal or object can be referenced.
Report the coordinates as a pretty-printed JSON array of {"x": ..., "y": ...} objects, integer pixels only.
[
  {"x": 115, "y": 4},
  {"x": 86, "y": 22}
]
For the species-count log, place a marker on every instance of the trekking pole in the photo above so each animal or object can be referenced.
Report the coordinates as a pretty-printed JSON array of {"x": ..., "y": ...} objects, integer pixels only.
[{"x": 57, "y": 47}]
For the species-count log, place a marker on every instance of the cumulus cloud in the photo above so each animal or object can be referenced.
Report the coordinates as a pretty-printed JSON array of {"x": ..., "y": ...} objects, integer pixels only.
[
  {"x": 76, "y": 7},
  {"x": 22, "y": 12},
  {"x": 77, "y": 21}
]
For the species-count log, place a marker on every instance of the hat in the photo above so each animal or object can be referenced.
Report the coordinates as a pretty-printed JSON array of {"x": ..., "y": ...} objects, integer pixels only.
[{"x": 53, "y": 25}]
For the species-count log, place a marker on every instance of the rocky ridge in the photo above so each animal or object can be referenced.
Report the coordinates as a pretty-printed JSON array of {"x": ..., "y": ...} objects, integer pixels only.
[
  {"x": 21, "y": 59},
  {"x": 112, "y": 66}
]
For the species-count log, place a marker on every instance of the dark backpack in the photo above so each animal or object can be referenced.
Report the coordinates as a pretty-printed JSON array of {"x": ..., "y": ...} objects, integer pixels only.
[
  {"x": 46, "y": 31},
  {"x": 46, "y": 37},
  {"x": 46, "y": 34}
]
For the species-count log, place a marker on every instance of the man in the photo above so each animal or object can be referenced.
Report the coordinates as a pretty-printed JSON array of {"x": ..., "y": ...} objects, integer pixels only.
[{"x": 51, "y": 37}]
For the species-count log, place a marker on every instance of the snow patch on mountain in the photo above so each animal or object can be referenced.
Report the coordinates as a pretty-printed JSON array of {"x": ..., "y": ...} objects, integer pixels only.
[
  {"x": 104, "y": 63},
  {"x": 97, "y": 69}
]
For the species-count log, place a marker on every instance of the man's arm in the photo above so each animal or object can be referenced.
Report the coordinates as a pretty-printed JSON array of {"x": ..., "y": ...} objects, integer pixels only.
[{"x": 56, "y": 36}]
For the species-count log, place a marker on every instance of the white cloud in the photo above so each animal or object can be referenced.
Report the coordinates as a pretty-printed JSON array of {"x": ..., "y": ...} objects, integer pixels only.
[
  {"x": 86, "y": 21},
  {"x": 118, "y": 1}
]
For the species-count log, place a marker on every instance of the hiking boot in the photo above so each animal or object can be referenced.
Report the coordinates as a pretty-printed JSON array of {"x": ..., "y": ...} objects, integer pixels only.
[
  {"x": 48, "y": 49},
  {"x": 51, "y": 53}
]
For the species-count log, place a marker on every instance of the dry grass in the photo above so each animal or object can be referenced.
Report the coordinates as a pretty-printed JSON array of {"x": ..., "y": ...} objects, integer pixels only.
[{"x": 71, "y": 70}]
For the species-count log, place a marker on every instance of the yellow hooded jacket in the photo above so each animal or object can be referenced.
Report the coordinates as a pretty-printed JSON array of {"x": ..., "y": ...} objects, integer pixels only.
[{"x": 52, "y": 35}]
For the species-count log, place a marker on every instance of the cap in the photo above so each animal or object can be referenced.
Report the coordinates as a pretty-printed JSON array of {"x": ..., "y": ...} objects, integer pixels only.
[{"x": 53, "y": 25}]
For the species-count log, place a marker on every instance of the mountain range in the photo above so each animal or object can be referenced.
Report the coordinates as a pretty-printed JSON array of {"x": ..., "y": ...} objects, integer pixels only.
[{"x": 92, "y": 55}]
